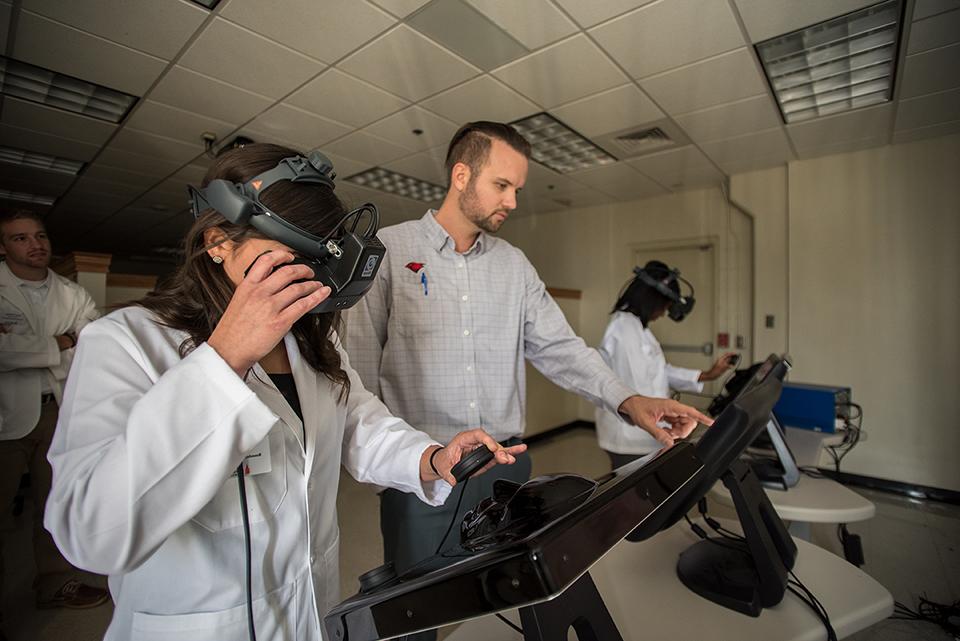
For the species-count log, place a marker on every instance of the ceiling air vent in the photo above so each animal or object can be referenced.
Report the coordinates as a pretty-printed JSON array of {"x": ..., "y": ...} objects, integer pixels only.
[{"x": 638, "y": 141}]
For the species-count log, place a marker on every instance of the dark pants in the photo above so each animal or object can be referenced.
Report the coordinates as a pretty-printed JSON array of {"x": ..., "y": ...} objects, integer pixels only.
[
  {"x": 619, "y": 460},
  {"x": 29, "y": 454},
  {"x": 412, "y": 530}
]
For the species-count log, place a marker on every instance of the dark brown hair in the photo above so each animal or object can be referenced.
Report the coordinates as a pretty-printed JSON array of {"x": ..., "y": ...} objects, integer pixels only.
[
  {"x": 194, "y": 298},
  {"x": 10, "y": 215},
  {"x": 471, "y": 144}
]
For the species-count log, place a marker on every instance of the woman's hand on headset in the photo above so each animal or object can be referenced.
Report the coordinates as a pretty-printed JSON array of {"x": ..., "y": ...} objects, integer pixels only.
[
  {"x": 461, "y": 445},
  {"x": 264, "y": 306}
]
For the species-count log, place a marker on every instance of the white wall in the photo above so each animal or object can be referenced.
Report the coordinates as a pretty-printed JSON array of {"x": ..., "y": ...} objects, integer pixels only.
[{"x": 591, "y": 249}]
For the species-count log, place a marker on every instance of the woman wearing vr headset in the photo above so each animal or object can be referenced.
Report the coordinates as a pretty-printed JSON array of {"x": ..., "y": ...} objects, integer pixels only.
[
  {"x": 634, "y": 354},
  {"x": 223, "y": 370}
]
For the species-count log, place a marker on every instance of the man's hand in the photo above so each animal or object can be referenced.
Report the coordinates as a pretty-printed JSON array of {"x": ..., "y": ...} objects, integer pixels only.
[
  {"x": 646, "y": 413},
  {"x": 460, "y": 446},
  {"x": 66, "y": 341}
]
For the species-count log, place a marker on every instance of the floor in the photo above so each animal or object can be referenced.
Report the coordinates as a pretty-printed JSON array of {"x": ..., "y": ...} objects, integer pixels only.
[{"x": 911, "y": 547}]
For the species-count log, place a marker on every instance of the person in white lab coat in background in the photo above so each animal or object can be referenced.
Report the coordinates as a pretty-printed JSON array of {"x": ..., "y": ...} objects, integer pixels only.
[
  {"x": 223, "y": 365},
  {"x": 634, "y": 354}
]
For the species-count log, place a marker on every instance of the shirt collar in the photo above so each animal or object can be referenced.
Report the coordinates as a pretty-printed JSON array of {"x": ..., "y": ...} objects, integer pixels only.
[{"x": 439, "y": 238}]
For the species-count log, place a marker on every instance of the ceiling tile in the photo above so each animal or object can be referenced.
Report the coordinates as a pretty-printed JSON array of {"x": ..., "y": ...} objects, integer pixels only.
[
  {"x": 163, "y": 120},
  {"x": 305, "y": 130},
  {"x": 871, "y": 122},
  {"x": 33, "y": 180},
  {"x": 619, "y": 180},
  {"x": 764, "y": 146},
  {"x": 327, "y": 30},
  {"x": 729, "y": 76},
  {"x": 677, "y": 168},
  {"x": 753, "y": 163},
  {"x": 5, "y": 13},
  {"x": 649, "y": 40},
  {"x": 33, "y": 140},
  {"x": 53, "y": 121},
  {"x": 483, "y": 98},
  {"x": 926, "y": 8},
  {"x": 99, "y": 171},
  {"x": 368, "y": 148},
  {"x": 608, "y": 111},
  {"x": 346, "y": 99},
  {"x": 344, "y": 166},
  {"x": 921, "y": 133},
  {"x": 158, "y": 28},
  {"x": 151, "y": 166},
  {"x": 461, "y": 29},
  {"x": 928, "y": 110},
  {"x": 543, "y": 181},
  {"x": 399, "y": 127},
  {"x": 768, "y": 18},
  {"x": 45, "y": 43},
  {"x": 426, "y": 165},
  {"x": 204, "y": 95},
  {"x": 192, "y": 174},
  {"x": 225, "y": 51},
  {"x": 731, "y": 119},
  {"x": 398, "y": 60},
  {"x": 931, "y": 71},
  {"x": 562, "y": 72},
  {"x": 937, "y": 31},
  {"x": 534, "y": 23},
  {"x": 400, "y": 8},
  {"x": 842, "y": 147},
  {"x": 94, "y": 187},
  {"x": 591, "y": 13},
  {"x": 159, "y": 147}
]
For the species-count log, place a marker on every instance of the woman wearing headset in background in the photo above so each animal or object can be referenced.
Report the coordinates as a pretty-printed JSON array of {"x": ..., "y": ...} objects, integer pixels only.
[
  {"x": 634, "y": 354},
  {"x": 219, "y": 366}
]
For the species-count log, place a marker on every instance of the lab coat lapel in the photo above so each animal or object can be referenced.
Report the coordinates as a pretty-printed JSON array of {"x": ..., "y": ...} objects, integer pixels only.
[
  {"x": 10, "y": 291},
  {"x": 271, "y": 396},
  {"x": 305, "y": 379}
]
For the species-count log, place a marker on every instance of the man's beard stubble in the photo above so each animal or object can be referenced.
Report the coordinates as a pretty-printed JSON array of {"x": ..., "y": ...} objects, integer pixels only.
[{"x": 470, "y": 205}]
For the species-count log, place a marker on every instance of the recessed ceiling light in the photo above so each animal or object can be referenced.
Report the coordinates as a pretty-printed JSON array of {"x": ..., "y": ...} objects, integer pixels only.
[
  {"x": 398, "y": 184},
  {"x": 837, "y": 65},
  {"x": 39, "y": 161},
  {"x": 24, "y": 197},
  {"x": 53, "y": 89},
  {"x": 557, "y": 146}
]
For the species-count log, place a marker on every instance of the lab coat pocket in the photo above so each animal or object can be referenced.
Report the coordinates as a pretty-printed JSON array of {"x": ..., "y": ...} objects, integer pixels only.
[
  {"x": 327, "y": 575},
  {"x": 266, "y": 487},
  {"x": 274, "y": 615}
]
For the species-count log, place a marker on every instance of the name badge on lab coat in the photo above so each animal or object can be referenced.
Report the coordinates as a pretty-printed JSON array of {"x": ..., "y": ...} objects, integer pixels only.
[{"x": 258, "y": 460}]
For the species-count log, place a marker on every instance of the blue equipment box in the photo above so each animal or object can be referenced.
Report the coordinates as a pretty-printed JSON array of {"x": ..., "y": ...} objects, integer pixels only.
[{"x": 812, "y": 407}]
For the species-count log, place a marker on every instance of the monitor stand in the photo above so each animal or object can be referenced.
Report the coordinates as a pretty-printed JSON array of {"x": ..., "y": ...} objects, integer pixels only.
[
  {"x": 781, "y": 472},
  {"x": 747, "y": 575},
  {"x": 580, "y": 606}
]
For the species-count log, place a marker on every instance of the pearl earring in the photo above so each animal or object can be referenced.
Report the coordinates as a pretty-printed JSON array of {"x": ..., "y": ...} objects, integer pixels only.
[{"x": 217, "y": 259}]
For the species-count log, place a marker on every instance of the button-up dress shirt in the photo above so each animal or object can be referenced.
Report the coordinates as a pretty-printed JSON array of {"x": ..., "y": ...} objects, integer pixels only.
[{"x": 441, "y": 336}]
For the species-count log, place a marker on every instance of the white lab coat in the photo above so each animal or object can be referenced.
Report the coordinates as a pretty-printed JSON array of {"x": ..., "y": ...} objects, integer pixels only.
[
  {"x": 634, "y": 354},
  {"x": 142, "y": 487},
  {"x": 29, "y": 355}
]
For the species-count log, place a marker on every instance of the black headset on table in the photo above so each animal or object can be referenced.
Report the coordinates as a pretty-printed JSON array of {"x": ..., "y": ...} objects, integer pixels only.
[{"x": 680, "y": 305}]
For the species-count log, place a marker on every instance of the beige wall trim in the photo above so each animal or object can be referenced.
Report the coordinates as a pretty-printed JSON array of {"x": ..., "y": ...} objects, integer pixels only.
[
  {"x": 88, "y": 262},
  {"x": 558, "y": 292},
  {"x": 131, "y": 280}
]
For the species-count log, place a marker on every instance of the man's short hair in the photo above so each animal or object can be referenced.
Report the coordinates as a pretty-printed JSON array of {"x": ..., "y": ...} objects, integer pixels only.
[
  {"x": 10, "y": 215},
  {"x": 471, "y": 144}
]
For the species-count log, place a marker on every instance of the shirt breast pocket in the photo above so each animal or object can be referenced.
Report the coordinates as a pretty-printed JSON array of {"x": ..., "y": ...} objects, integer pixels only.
[
  {"x": 265, "y": 491},
  {"x": 417, "y": 315}
]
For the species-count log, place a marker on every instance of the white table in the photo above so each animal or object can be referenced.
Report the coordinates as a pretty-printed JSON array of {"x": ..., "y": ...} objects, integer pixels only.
[
  {"x": 648, "y": 602},
  {"x": 811, "y": 500}
]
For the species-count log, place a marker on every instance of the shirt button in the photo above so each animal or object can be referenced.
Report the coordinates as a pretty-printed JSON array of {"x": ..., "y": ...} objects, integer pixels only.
[
  {"x": 313, "y": 560},
  {"x": 473, "y": 404},
  {"x": 460, "y": 264},
  {"x": 469, "y": 368},
  {"x": 466, "y": 332},
  {"x": 464, "y": 297}
]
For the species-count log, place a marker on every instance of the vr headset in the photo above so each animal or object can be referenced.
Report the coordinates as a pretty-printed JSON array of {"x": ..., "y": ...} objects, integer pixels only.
[
  {"x": 344, "y": 260},
  {"x": 680, "y": 306}
]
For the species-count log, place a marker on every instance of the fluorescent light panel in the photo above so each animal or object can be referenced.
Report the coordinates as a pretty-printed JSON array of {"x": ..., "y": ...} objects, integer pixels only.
[
  {"x": 557, "y": 146},
  {"x": 841, "y": 64},
  {"x": 23, "y": 197},
  {"x": 39, "y": 161},
  {"x": 399, "y": 184},
  {"x": 53, "y": 89}
]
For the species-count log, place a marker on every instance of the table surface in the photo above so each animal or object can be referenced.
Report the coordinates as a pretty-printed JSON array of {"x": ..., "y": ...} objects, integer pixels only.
[
  {"x": 811, "y": 500},
  {"x": 648, "y": 602}
]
